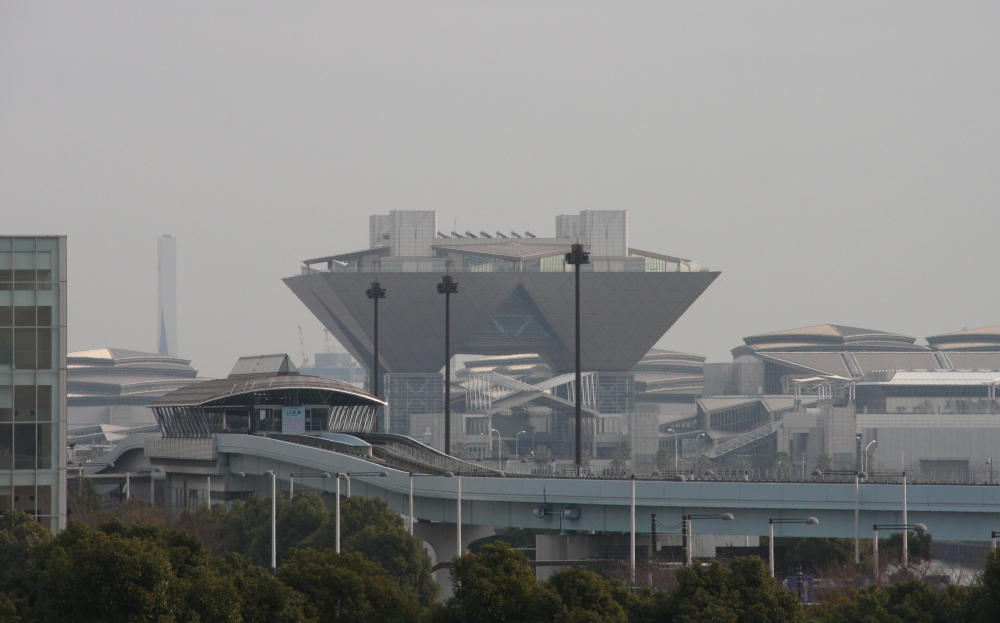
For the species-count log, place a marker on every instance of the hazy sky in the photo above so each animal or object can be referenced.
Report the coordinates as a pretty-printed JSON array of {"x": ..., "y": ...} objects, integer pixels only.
[{"x": 838, "y": 162}]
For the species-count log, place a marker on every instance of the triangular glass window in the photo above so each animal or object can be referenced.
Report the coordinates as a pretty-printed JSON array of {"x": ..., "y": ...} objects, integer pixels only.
[{"x": 516, "y": 317}]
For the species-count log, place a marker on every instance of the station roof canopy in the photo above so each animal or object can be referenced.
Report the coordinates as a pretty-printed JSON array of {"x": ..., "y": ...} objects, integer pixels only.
[{"x": 263, "y": 379}]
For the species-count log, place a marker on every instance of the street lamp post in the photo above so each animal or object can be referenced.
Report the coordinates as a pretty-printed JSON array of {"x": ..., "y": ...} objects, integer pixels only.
[
  {"x": 858, "y": 477},
  {"x": 128, "y": 478},
  {"x": 865, "y": 467},
  {"x": 517, "y": 447},
  {"x": 412, "y": 476},
  {"x": 274, "y": 520},
  {"x": 208, "y": 483},
  {"x": 458, "y": 509},
  {"x": 499, "y": 441},
  {"x": 632, "y": 530},
  {"x": 347, "y": 476},
  {"x": 770, "y": 539},
  {"x": 700, "y": 435},
  {"x": 670, "y": 430},
  {"x": 577, "y": 257},
  {"x": 993, "y": 538},
  {"x": 80, "y": 467},
  {"x": 688, "y": 533},
  {"x": 291, "y": 480},
  {"x": 917, "y": 527},
  {"x": 447, "y": 287},
  {"x": 375, "y": 293}
]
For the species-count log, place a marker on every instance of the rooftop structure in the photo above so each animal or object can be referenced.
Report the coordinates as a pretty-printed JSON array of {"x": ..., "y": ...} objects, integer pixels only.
[
  {"x": 828, "y": 337},
  {"x": 935, "y": 405},
  {"x": 971, "y": 340},
  {"x": 264, "y": 393},
  {"x": 776, "y": 359},
  {"x": 114, "y": 385},
  {"x": 515, "y": 294}
]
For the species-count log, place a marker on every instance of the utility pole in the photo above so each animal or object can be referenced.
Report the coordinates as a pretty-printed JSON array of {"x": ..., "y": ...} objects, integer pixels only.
[
  {"x": 447, "y": 287},
  {"x": 375, "y": 293},
  {"x": 577, "y": 257}
]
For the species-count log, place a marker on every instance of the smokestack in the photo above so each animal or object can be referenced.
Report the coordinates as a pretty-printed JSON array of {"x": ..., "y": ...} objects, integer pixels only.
[{"x": 166, "y": 280}]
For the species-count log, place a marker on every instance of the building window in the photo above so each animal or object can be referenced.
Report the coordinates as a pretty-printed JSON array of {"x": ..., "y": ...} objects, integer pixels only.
[
  {"x": 26, "y": 337},
  {"x": 479, "y": 264},
  {"x": 26, "y": 442},
  {"x": 269, "y": 419},
  {"x": 316, "y": 418},
  {"x": 25, "y": 270}
]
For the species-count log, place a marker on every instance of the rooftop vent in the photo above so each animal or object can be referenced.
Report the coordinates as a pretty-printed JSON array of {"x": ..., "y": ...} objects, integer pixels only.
[{"x": 278, "y": 364}]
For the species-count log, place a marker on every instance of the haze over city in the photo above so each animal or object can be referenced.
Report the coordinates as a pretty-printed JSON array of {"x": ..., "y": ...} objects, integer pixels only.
[{"x": 837, "y": 162}]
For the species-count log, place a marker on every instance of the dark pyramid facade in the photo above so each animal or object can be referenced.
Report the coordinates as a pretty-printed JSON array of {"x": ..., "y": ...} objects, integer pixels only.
[{"x": 623, "y": 315}]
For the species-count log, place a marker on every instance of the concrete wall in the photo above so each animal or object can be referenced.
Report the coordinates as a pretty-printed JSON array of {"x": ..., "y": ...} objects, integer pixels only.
[
  {"x": 750, "y": 378},
  {"x": 719, "y": 379},
  {"x": 644, "y": 436}
]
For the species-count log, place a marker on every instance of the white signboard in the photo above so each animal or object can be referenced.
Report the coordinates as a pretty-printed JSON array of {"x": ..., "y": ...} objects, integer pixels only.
[{"x": 293, "y": 420}]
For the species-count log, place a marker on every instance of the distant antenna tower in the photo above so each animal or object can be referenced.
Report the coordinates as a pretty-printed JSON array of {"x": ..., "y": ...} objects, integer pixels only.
[
  {"x": 302, "y": 345},
  {"x": 326, "y": 341},
  {"x": 166, "y": 288}
]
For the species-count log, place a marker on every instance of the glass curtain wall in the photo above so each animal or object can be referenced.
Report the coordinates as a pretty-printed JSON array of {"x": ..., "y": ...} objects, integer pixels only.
[{"x": 33, "y": 378}]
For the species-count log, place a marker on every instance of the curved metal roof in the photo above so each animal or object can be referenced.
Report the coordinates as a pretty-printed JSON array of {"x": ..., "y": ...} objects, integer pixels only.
[{"x": 207, "y": 392}]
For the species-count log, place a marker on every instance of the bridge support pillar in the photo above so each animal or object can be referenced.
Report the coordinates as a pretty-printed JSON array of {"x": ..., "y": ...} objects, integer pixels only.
[{"x": 440, "y": 537}]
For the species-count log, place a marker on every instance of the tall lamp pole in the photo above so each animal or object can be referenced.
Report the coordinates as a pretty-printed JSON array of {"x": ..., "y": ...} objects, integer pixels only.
[
  {"x": 670, "y": 430},
  {"x": 447, "y": 287},
  {"x": 865, "y": 467},
  {"x": 375, "y": 293},
  {"x": 688, "y": 533},
  {"x": 770, "y": 539},
  {"x": 274, "y": 519},
  {"x": 577, "y": 257},
  {"x": 346, "y": 476},
  {"x": 412, "y": 476},
  {"x": 917, "y": 527}
]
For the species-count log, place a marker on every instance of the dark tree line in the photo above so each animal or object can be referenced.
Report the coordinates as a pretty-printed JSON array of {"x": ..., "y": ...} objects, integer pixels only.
[{"x": 138, "y": 571}]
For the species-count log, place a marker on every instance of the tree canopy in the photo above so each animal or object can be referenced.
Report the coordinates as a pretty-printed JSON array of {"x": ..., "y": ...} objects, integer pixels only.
[{"x": 137, "y": 571}]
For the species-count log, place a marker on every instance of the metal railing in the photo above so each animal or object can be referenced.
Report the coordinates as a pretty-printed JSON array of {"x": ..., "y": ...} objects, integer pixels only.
[{"x": 552, "y": 469}]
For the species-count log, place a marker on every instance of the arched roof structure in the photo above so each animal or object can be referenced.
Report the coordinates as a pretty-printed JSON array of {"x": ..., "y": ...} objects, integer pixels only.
[{"x": 201, "y": 409}]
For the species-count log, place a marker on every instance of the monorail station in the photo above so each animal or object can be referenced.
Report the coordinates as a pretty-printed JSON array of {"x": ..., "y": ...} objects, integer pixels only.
[{"x": 265, "y": 394}]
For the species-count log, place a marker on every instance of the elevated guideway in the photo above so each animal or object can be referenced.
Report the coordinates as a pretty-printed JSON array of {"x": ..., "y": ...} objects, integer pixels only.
[
  {"x": 951, "y": 512},
  {"x": 395, "y": 451}
]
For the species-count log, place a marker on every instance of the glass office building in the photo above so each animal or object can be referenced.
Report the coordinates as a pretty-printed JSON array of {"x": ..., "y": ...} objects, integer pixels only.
[{"x": 33, "y": 377}]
